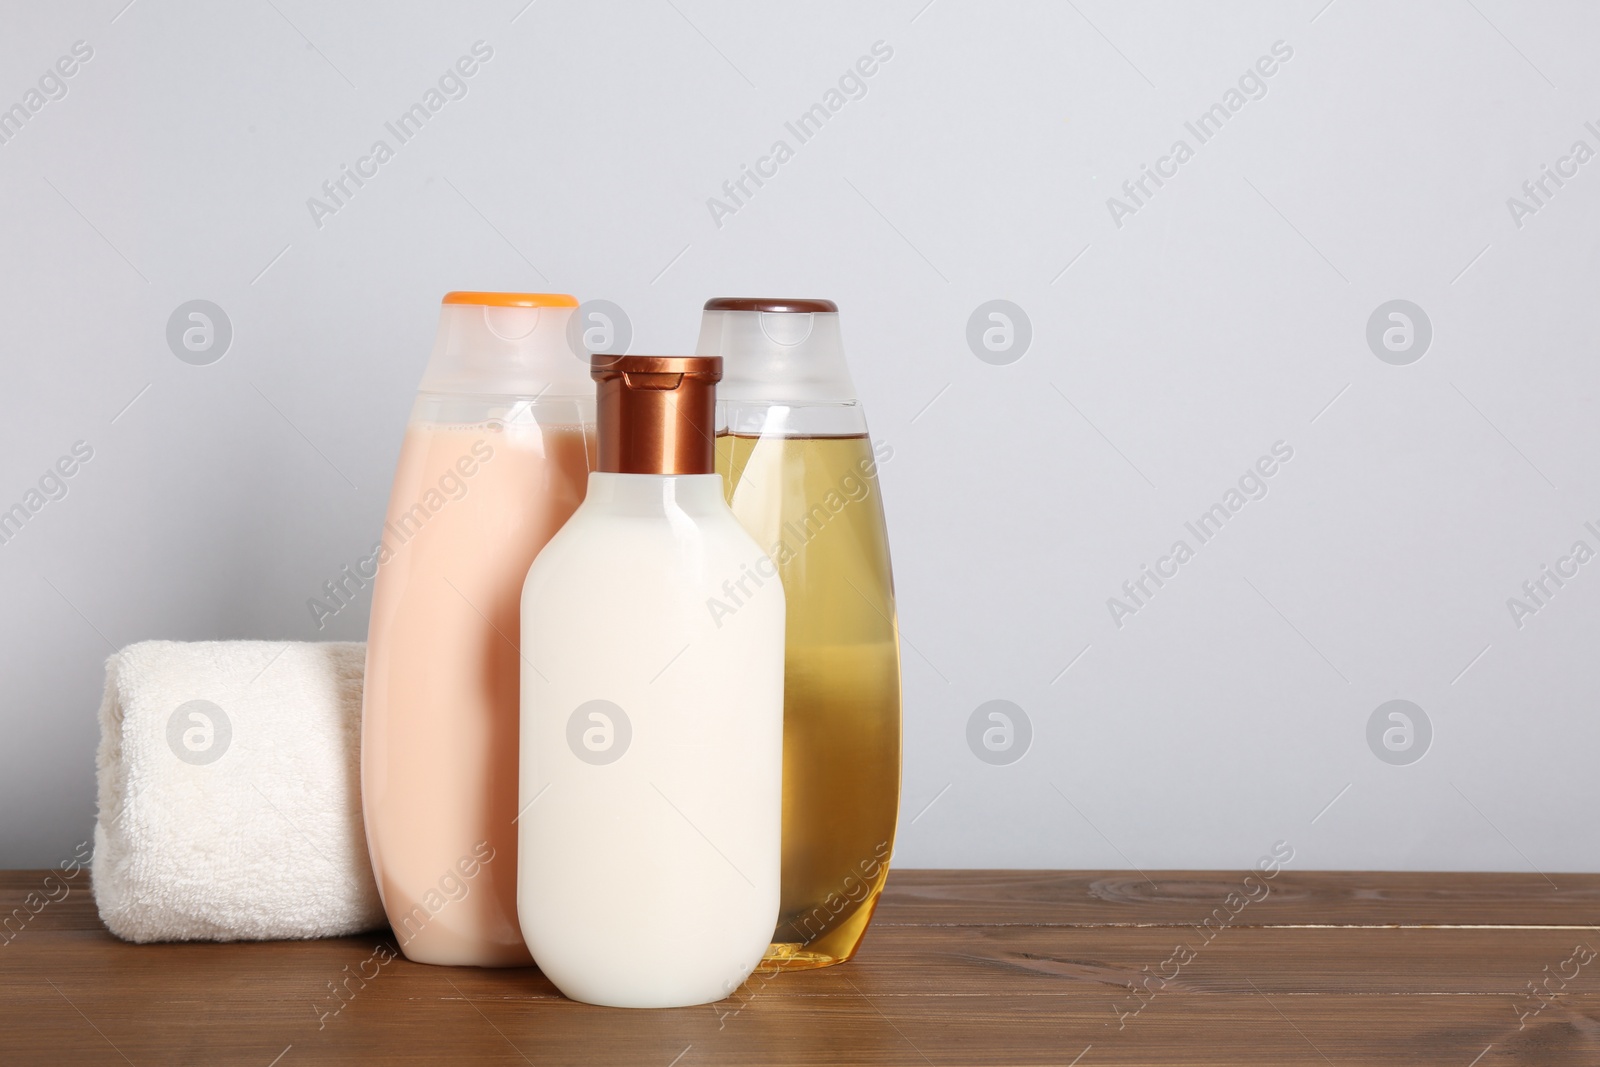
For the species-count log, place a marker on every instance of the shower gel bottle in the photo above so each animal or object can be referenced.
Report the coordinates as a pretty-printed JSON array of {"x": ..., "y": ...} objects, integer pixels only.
[
  {"x": 495, "y": 459},
  {"x": 652, "y": 721},
  {"x": 800, "y": 473}
]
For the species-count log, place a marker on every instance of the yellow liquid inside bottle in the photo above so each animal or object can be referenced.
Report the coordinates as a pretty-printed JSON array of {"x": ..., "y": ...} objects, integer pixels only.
[{"x": 813, "y": 505}]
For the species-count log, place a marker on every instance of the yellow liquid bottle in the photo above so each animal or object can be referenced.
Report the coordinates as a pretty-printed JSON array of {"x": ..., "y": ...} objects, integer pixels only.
[{"x": 800, "y": 474}]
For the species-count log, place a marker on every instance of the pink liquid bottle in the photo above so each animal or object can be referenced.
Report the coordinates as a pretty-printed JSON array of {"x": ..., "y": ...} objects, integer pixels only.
[{"x": 495, "y": 459}]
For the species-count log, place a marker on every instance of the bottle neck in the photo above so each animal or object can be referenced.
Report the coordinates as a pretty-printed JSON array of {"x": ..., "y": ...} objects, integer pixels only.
[
  {"x": 778, "y": 357},
  {"x": 754, "y": 418},
  {"x": 505, "y": 351},
  {"x": 655, "y": 495}
]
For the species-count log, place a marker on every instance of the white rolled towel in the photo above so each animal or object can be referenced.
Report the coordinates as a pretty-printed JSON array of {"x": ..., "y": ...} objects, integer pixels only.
[{"x": 230, "y": 792}]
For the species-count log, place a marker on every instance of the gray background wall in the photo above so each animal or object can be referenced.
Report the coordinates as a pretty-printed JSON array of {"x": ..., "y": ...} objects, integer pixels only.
[{"x": 1227, "y": 313}]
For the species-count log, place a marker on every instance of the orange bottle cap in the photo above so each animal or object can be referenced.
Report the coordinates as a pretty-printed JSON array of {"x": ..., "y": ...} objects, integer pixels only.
[{"x": 511, "y": 300}]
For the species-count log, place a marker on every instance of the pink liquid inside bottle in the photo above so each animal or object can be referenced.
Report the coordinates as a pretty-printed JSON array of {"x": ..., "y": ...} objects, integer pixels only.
[{"x": 495, "y": 460}]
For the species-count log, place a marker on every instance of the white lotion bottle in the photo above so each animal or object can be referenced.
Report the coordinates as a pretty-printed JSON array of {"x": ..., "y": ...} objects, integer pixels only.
[{"x": 652, "y": 717}]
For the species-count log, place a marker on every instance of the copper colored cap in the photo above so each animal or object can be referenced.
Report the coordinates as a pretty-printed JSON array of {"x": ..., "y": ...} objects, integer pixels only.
[
  {"x": 656, "y": 414},
  {"x": 780, "y": 304}
]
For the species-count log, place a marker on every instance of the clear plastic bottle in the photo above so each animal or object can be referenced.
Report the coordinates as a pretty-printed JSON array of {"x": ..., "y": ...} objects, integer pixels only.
[
  {"x": 495, "y": 460},
  {"x": 800, "y": 472},
  {"x": 652, "y": 729}
]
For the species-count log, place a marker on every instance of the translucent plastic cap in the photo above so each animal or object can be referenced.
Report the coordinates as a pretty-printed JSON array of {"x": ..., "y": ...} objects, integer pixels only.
[
  {"x": 506, "y": 344},
  {"x": 776, "y": 350}
]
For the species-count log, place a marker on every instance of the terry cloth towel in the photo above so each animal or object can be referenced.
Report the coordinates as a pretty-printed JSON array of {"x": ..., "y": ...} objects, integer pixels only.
[{"x": 230, "y": 793}]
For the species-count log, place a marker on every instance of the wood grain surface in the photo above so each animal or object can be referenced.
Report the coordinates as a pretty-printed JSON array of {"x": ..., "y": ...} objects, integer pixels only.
[{"x": 962, "y": 967}]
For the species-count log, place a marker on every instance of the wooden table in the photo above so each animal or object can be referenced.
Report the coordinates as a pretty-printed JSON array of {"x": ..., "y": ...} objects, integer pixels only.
[{"x": 961, "y": 967}]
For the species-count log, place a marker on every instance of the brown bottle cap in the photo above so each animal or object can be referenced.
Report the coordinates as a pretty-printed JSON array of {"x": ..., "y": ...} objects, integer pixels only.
[
  {"x": 656, "y": 414},
  {"x": 779, "y": 304}
]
